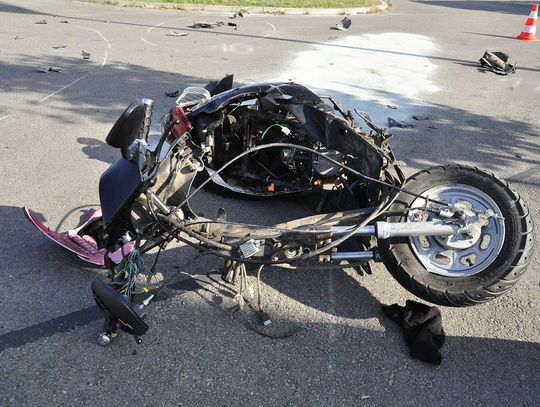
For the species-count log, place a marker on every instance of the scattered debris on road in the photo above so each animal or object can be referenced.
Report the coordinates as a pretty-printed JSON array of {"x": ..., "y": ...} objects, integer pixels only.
[
  {"x": 86, "y": 55},
  {"x": 343, "y": 25},
  {"x": 420, "y": 118},
  {"x": 41, "y": 22},
  {"x": 432, "y": 126},
  {"x": 172, "y": 94},
  {"x": 497, "y": 62},
  {"x": 64, "y": 21},
  {"x": 177, "y": 34},
  {"x": 18, "y": 38},
  {"x": 399, "y": 124},
  {"x": 205, "y": 24},
  {"x": 49, "y": 69},
  {"x": 239, "y": 14},
  {"x": 59, "y": 46}
]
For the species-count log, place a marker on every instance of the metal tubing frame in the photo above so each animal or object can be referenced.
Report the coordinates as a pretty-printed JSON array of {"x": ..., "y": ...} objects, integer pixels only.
[
  {"x": 385, "y": 230},
  {"x": 362, "y": 255}
]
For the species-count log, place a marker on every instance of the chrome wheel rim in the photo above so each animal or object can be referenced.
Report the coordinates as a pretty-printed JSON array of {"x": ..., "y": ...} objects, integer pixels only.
[{"x": 460, "y": 255}]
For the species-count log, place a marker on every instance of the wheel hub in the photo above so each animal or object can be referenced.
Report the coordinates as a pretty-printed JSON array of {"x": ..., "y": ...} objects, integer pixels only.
[{"x": 463, "y": 254}]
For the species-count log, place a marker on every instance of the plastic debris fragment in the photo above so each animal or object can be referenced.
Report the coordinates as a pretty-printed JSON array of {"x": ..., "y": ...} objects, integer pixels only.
[
  {"x": 205, "y": 24},
  {"x": 397, "y": 123},
  {"x": 343, "y": 25},
  {"x": 49, "y": 69}
]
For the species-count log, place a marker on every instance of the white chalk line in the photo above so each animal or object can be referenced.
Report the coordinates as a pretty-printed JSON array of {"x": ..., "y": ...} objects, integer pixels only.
[
  {"x": 65, "y": 87},
  {"x": 104, "y": 39},
  {"x": 269, "y": 34},
  {"x": 148, "y": 42},
  {"x": 84, "y": 76},
  {"x": 150, "y": 29},
  {"x": 97, "y": 32},
  {"x": 5, "y": 117},
  {"x": 157, "y": 25}
]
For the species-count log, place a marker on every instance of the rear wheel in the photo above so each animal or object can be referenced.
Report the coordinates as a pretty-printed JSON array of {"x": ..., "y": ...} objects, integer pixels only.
[{"x": 461, "y": 270}]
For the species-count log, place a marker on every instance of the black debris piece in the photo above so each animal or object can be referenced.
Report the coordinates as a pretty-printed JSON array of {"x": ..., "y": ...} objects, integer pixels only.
[
  {"x": 177, "y": 34},
  {"x": 48, "y": 69},
  {"x": 233, "y": 25},
  {"x": 420, "y": 118},
  {"x": 397, "y": 123},
  {"x": 86, "y": 55},
  {"x": 60, "y": 46},
  {"x": 239, "y": 14},
  {"x": 41, "y": 22},
  {"x": 343, "y": 25},
  {"x": 497, "y": 62},
  {"x": 172, "y": 94},
  {"x": 391, "y": 106},
  {"x": 64, "y": 21},
  {"x": 205, "y": 24},
  {"x": 422, "y": 329}
]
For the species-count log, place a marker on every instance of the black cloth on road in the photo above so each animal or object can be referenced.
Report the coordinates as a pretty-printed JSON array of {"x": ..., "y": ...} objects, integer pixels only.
[{"x": 422, "y": 329}]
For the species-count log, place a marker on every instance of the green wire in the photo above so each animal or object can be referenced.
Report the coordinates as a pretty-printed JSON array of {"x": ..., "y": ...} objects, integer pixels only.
[{"x": 269, "y": 127}]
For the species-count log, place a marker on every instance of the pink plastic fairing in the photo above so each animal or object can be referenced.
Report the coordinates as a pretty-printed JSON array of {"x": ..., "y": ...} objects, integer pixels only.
[
  {"x": 119, "y": 254},
  {"x": 83, "y": 246}
]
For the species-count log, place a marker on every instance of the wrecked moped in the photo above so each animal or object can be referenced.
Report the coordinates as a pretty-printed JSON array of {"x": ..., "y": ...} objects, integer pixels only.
[{"x": 452, "y": 235}]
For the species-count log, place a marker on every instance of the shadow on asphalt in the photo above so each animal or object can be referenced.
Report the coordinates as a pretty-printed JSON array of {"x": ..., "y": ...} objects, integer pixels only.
[{"x": 491, "y": 141}]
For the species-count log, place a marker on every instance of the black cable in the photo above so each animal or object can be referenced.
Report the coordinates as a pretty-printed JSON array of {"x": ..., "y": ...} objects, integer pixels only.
[
  {"x": 192, "y": 233},
  {"x": 313, "y": 253},
  {"x": 156, "y": 260},
  {"x": 178, "y": 271},
  {"x": 303, "y": 148},
  {"x": 64, "y": 218}
]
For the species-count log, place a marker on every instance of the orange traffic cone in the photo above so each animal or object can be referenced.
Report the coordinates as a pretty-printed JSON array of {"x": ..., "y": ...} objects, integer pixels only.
[{"x": 528, "y": 33}]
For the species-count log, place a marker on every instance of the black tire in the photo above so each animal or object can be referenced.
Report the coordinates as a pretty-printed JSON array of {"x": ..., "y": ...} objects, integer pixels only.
[{"x": 498, "y": 277}]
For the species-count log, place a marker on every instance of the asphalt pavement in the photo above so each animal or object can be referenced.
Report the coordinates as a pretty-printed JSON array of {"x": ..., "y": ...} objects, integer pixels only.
[{"x": 329, "y": 344}]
